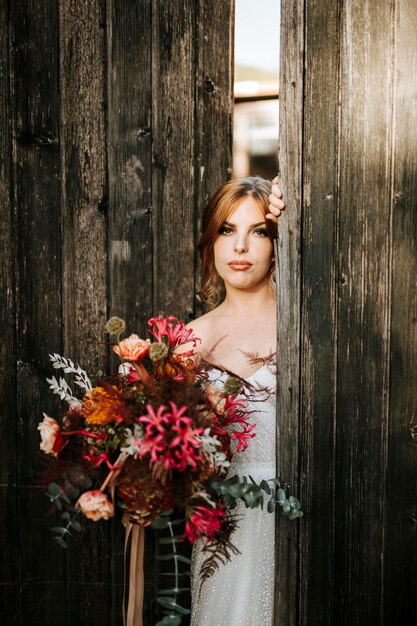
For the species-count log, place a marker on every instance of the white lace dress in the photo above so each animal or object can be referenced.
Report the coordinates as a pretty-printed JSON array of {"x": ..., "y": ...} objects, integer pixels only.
[{"x": 241, "y": 592}]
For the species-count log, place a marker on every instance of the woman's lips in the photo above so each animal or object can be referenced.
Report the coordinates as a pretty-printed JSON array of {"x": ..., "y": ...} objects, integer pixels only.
[{"x": 240, "y": 266}]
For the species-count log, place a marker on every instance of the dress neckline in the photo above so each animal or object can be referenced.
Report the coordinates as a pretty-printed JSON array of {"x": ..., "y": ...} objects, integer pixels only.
[{"x": 255, "y": 372}]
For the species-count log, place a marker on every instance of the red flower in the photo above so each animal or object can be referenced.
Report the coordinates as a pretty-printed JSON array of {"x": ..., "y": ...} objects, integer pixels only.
[
  {"x": 174, "y": 331},
  {"x": 169, "y": 437},
  {"x": 243, "y": 435},
  {"x": 204, "y": 522}
]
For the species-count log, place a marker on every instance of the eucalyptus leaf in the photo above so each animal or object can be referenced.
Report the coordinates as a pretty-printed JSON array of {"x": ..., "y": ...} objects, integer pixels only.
[
  {"x": 286, "y": 507},
  {"x": 65, "y": 515},
  {"x": 54, "y": 490},
  {"x": 271, "y": 505},
  {"x": 281, "y": 496},
  {"x": 170, "y": 620},
  {"x": 167, "y": 512},
  {"x": 295, "y": 503},
  {"x": 175, "y": 522},
  {"x": 169, "y": 540},
  {"x": 264, "y": 485},
  {"x": 178, "y": 557},
  {"x": 163, "y": 592},
  {"x": 75, "y": 525},
  {"x": 60, "y": 542},
  {"x": 72, "y": 492},
  {"x": 184, "y": 573},
  {"x": 160, "y": 523},
  {"x": 169, "y": 603},
  {"x": 61, "y": 530}
]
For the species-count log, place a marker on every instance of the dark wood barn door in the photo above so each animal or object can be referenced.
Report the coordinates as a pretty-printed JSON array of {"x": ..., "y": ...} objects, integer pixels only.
[
  {"x": 115, "y": 125},
  {"x": 348, "y": 310},
  {"x": 115, "y": 129}
]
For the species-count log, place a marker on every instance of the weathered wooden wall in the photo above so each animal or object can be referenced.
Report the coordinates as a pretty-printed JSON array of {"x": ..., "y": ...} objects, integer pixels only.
[
  {"x": 115, "y": 128},
  {"x": 348, "y": 332},
  {"x": 115, "y": 125}
]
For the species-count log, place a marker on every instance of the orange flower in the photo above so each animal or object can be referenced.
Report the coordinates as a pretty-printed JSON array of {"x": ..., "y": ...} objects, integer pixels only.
[
  {"x": 133, "y": 348},
  {"x": 101, "y": 405},
  {"x": 180, "y": 368}
]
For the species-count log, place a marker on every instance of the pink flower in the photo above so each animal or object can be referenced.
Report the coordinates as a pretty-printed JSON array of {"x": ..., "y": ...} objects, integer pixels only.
[
  {"x": 52, "y": 441},
  {"x": 242, "y": 436},
  {"x": 133, "y": 348},
  {"x": 174, "y": 331},
  {"x": 169, "y": 438},
  {"x": 204, "y": 522},
  {"x": 95, "y": 505}
]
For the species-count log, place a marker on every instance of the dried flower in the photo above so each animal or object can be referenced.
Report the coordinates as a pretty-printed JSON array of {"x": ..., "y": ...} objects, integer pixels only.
[
  {"x": 133, "y": 348},
  {"x": 158, "y": 351},
  {"x": 215, "y": 398},
  {"x": 232, "y": 386},
  {"x": 181, "y": 369},
  {"x": 102, "y": 405},
  {"x": 115, "y": 326},
  {"x": 51, "y": 437},
  {"x": 95, "y": 505}
]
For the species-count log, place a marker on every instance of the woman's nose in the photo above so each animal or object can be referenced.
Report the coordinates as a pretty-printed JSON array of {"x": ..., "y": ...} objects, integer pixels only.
[{"x": 240, "y": 245}]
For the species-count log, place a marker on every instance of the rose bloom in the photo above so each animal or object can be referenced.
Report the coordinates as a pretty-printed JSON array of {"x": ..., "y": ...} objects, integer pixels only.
[
  {"x": 215, "y": 398},
  {"x": 95, "y": 505},
  {"x": 133, "y": 348},
  {"x": 51, "y": 438}
]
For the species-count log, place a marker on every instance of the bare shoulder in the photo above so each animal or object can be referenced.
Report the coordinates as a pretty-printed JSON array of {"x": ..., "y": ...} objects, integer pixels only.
[{"x": 202, "y": 326}]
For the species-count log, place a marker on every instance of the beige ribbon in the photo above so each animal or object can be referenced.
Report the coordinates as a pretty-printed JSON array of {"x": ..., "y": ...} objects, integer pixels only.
[{"x": 136, "y": 579}]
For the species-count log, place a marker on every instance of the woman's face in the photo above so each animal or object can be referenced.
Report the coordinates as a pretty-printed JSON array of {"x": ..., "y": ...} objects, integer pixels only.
[{"x": 243, "y": 250}]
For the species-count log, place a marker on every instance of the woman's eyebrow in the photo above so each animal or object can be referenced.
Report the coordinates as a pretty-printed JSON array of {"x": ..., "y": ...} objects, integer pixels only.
[{"x": 251, "y": 226}]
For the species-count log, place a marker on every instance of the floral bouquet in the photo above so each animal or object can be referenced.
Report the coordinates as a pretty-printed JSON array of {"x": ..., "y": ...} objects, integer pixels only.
[{"x": 155, "y": 438}]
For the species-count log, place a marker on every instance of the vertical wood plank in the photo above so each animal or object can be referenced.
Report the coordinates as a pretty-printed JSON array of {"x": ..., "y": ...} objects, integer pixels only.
[
  {"x": 318, "y": 287},
  {"x": 34, "y": 68},
  {"x": 84, "y": 247},
  {"x": 214, "y": 100},
  {"x": 130, "y": 229},
  {"x": 130, "y": 135},
  {"x": 173, "y": 171},
  {"x": 288, "y": 299},
  {"x": 9, "y": 556},
  {"x": 363, "y": 305},
  {"x": 400, "y": 571}
]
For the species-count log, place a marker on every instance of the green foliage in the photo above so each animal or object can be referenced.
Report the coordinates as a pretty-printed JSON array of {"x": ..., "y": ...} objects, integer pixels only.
[
  {"x": 252, "y": 494},
  {"x": 63, "y": 499},
  {"x": 168, "y": 598}
]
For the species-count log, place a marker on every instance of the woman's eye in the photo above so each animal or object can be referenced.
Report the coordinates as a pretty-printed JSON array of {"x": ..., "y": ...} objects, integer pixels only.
[
  {"x": 225, "y": 230},
  {"x": 261, "y": 231}
]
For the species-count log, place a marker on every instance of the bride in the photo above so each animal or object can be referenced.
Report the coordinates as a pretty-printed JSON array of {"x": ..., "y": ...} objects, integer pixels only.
[{"x": 236, "y": 249}]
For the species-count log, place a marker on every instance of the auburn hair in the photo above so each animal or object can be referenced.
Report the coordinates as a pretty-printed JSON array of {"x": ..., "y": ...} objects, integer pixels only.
[{"x": 217, "y": 211}]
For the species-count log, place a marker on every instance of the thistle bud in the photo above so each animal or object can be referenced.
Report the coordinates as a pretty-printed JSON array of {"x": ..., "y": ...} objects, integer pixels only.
[
  {"x": 232, "y": 386},
  {"x": 115, "y": 326},
  {"x": 158, "y": 351}
]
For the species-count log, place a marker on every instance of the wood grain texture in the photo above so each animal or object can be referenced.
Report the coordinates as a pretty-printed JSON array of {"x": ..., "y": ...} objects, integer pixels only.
[
  {"x": 318, "y": 287},
  {"x": 214, "y": 97},
  {"x": 130, "y": 136},
  {"x": 173, "y": 155},
  {"x": 288, "y": 299},
  {"x": 400, "y": 566},
  {"x": 363, "y": 305},
  {"x": 84, "y": 262},
  {"x": 36, "y": 175}
]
